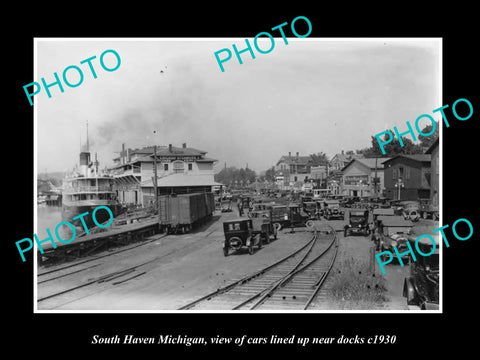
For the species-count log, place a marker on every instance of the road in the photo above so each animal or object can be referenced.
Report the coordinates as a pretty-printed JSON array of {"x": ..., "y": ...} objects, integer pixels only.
[{"x": 170, "y": 271}]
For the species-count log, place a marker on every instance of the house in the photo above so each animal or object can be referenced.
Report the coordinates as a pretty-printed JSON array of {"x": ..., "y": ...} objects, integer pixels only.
[
  {"x": 339, "y": 161},
  {"x": 295, "y": 170},
  {"x": 408, "y": 177},
  {"x": 179, "y": 170},
  {"x": 433, "y": 151},
  {"x": 363, "y": 177}
]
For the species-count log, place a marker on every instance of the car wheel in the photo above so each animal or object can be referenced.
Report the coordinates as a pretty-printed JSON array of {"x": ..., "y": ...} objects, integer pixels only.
[{"x": 309, "y": 223}]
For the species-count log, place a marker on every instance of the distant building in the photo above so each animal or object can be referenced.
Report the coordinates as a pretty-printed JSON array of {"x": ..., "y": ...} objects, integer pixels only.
[
  {"x": 408, "y": 177},
  {"x": 433, "y": 151},
  {"x": 339, "y": 161},
  {"x": 179, "y": 170},
  {"x": 363, "y": 177},
  {"x": 295, "y": 170}
]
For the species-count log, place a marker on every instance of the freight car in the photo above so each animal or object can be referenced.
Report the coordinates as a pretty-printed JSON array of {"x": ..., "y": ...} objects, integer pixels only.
[{"x": 181, "y": 213}]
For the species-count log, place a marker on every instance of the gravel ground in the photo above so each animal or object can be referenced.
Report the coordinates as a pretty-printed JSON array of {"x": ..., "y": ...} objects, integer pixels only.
[{"x": 182, "y": 268}]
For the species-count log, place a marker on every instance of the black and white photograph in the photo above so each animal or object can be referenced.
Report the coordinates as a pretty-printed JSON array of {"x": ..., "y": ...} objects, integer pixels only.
[
  {"x": 208, "y": 179},
  {"x": 259, "y": 185}
]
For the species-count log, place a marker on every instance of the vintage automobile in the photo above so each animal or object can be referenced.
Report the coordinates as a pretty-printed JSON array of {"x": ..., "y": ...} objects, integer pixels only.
[
  {"x": 393, "y": 231},
  {"x": 348, "y": 201},
  {"x": 358, "y": 223},
  {"x": 421, "y": 287},
  {"x": 239, "y": 233},
  {"x": 263, "y": 225},
  {"x": 260, "y": 206},
  {"x": 376, "y": 226},
  {"x": 279, "y": 216},
  {"x": 312, "y": 209},
  {"x": 298, "y": 217},
  {"x": 428, "y": 210},
  {"x": 332, "y": 210},
  {"x": 411, "y": 214}
]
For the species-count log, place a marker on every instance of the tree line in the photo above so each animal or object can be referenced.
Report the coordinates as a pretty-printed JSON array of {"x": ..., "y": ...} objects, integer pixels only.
[{"x": 242, "y": 177}]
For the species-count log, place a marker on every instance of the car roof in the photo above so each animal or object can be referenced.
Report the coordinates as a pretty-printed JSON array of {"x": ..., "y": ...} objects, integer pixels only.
[
  {"x": 388, "y": 211},
  {"x": 394, "y": 221},
  {"x": 236, "y": 220}
]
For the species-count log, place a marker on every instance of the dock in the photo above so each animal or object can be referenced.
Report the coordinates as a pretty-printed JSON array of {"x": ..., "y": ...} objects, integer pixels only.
[{"x": 124, "y": 231}]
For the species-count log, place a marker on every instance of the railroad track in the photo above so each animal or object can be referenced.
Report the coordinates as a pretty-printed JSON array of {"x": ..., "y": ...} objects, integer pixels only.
[
  {"x": 289, "y": 284},
  {"x": 52, "y": 295}
]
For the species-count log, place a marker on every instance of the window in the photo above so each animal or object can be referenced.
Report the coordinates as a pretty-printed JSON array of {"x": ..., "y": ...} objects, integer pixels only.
[
  {"x": 190, "y": 167},
  {"x": 178, "y": 166},
  {"x": 234, "y": 226},
  {"x": 394, "y": 173},
  {"x": 165, "y": 167},
  {"x": 407, "y": 173}
]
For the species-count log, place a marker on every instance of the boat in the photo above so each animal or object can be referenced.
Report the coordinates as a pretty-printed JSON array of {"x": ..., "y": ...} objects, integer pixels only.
[{"x": 85, "y": 189}]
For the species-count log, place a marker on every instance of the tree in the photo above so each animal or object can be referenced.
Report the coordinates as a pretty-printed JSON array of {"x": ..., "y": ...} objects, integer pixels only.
[
  {"x": 427, "y": 141},
  {"x": 319, "y": 158},
  {"x": 270, "y": 174},
  {"x": 231, "y": 175}
]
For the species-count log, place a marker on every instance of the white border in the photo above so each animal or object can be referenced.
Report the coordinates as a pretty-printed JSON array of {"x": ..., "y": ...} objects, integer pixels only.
[{"x": 281, "y": 312}]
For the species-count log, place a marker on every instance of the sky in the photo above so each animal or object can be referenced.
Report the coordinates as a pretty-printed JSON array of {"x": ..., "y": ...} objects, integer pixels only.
[{"x": 312, "y": 95}]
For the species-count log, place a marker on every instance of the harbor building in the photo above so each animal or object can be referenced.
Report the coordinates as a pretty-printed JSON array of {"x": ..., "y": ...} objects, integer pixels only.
[
  {"x": 180, "y": 170},
  {"x": 408, "y": 177},
  {"x": 363, "y": 177}
]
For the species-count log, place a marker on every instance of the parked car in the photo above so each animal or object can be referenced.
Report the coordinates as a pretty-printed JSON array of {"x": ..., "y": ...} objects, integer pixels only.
[
  {"x": 421, "y": 287},
  {"x": 239, "y": 233},
  {"x": 358, "y": 223},
  {"x": 263, "y": 225},
  {"x": 332, "y": 210},
  {"x": 393, "y": 231},
  {"x": 411, "y": 214},
  {"x": 311, "y": 208}
]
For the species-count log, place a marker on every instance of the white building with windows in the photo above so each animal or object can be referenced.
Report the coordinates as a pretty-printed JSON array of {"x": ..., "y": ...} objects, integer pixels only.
[
  {"x": 363, "y": 177},
  {"x": 179, "y": 171}
]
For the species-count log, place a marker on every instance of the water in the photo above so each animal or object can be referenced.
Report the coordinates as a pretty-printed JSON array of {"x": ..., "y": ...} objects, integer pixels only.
[{"x": 49, "y": 217}]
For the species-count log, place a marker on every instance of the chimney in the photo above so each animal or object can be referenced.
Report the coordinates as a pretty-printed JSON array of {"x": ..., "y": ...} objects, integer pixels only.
[
  {"x": 184, "y": 145},
  {"x": 128, "y": 155},
  {"x": 122, "y": 155},
  {"x": 342, "y": 152},
  {"x": 169, "y": 147},
  {"x": 297, "y": 154},
  {"x": 289, "y": 154}
]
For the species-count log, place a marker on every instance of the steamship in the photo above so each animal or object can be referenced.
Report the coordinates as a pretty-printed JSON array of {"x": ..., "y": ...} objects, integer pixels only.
[{"x": 85, "y": 189}]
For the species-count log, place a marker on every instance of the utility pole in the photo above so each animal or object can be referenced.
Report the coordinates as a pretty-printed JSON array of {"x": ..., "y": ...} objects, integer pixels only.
[{"x": 155, "y": 177}]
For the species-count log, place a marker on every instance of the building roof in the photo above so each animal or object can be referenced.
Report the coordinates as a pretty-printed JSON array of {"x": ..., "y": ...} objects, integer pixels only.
[
  {"x": 300, "y": 160},
  {"x": 163, "y": 151},
  {"x": 346, "y": 157},
  {"x": 368, "y": 162},
  {"x": 416, "y": 157},
  {"x": 181, "y": 180},
  {"x": 433, "y": 146}
]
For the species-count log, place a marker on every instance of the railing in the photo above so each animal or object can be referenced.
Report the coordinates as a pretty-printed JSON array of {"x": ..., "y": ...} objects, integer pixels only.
[{"x": 87, "y": 189}]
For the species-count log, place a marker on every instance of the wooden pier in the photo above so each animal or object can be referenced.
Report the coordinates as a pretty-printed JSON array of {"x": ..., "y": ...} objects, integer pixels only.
[{"x": 122, "y": 232}]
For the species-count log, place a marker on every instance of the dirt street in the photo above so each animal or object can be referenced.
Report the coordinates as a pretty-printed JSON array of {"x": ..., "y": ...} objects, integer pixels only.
[{"x": 170, "y": 271}]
